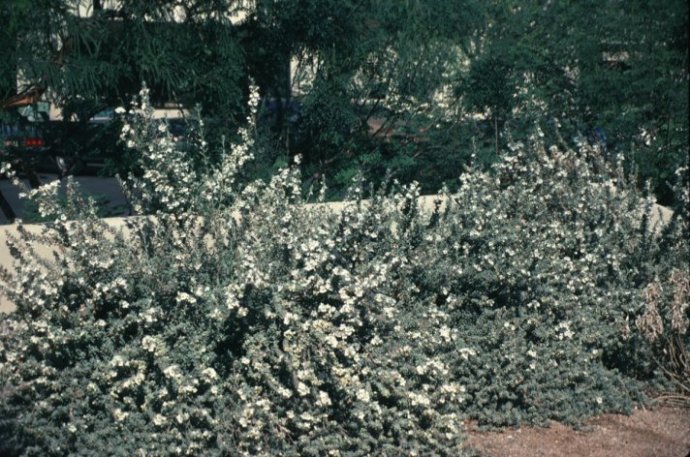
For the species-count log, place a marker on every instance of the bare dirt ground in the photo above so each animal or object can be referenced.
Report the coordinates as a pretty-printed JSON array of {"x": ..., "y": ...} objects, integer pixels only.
[{"x": 663, "y": 431}]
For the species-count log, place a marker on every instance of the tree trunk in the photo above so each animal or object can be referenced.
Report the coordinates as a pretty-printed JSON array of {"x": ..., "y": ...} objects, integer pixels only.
[
  {"x": 496, "y": 133},
  {"x": 31, "y": 176},
  {"x": 8, "y": 66}
]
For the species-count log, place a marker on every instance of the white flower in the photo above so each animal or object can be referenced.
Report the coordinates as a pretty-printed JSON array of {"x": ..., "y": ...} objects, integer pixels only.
[
  {"x": 465, "y": 353},
  {"x": 210, "y": 374},
  {"x": 117, "y": 360},
  {"x": 564, "y": 330},
  {"x": 187, "y": 389},
  {"x": 418, "y": 399},
  {"x": 302, "y": 389},
  {"x": 324, "y": 399},
  {"x": 120, "y": 110},
  {"x": 159, "y": 420},
  {"x": 307, "y": 417},
  {"x": 148, "y": 343},
  {"x": 332, "y": 341},
  {"x": 119, "y": 415},
  {"x": 173, "y": 372},
  {"x": 283, "y": 392},
  {"x": 445, "y": 333},
  {"x": 182, "y": 417},
  {"x": 363, "y": 395},
  {"x": 184, "y": 297}
]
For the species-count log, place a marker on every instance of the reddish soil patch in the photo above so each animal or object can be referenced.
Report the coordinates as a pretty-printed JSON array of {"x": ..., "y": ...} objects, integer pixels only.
[{"x": 661, "y": 432}]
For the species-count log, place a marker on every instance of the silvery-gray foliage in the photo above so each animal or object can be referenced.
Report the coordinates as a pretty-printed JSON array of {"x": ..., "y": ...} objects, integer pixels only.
[{"x": 241, "y": 320}]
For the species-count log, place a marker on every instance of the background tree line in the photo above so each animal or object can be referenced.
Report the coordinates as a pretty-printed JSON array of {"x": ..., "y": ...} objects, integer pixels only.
[{"x": 375, "y": 84}]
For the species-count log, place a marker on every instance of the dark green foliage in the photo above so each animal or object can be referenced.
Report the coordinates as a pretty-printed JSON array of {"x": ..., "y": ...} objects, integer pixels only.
[
  {"x": 86, "y": 59},
  {"x": 359, "y": 64},
  {"x": 99, "y": 58},
  {"x": 616, "y": 71}
]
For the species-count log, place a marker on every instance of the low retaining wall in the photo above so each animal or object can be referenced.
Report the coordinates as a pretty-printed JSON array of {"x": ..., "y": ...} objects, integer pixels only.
[{"x": 659, "y": 213}]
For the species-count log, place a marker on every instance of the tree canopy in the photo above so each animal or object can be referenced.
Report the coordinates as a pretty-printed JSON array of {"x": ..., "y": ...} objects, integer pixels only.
[
  {"x": 87, "y": 57},
  {"x": 376, "y": 84},
  {"x": 617, "y": 68}
]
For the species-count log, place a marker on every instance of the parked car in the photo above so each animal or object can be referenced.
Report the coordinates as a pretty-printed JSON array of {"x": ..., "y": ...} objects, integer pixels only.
[
  {"x": 23, "y": 144},
  {"x": 21, "y": 139}
]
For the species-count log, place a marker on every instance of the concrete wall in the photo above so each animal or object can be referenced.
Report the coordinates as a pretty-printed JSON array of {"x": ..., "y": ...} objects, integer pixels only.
[
  {"x": 660, "y": 213},
  {"x": 6, "y": 261}
]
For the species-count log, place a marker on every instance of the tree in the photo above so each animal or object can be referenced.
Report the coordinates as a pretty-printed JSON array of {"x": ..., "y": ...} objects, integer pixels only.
[
  {"x": 614, "y": 70},
  {"x": 92, "y": 57},
  {"x": 375, "y": 69},
  {"x": 84, "y": 57},
  {"x": 391, "y": 85}
]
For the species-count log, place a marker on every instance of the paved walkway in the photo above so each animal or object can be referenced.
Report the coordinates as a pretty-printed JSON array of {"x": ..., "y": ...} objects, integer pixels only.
[{"x": 105, "y": 190}]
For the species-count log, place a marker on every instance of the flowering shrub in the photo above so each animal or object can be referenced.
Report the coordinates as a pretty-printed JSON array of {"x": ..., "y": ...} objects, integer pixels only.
[
  {"x": 541, "y": 266},
  {"x": 243, "y": 320}
]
